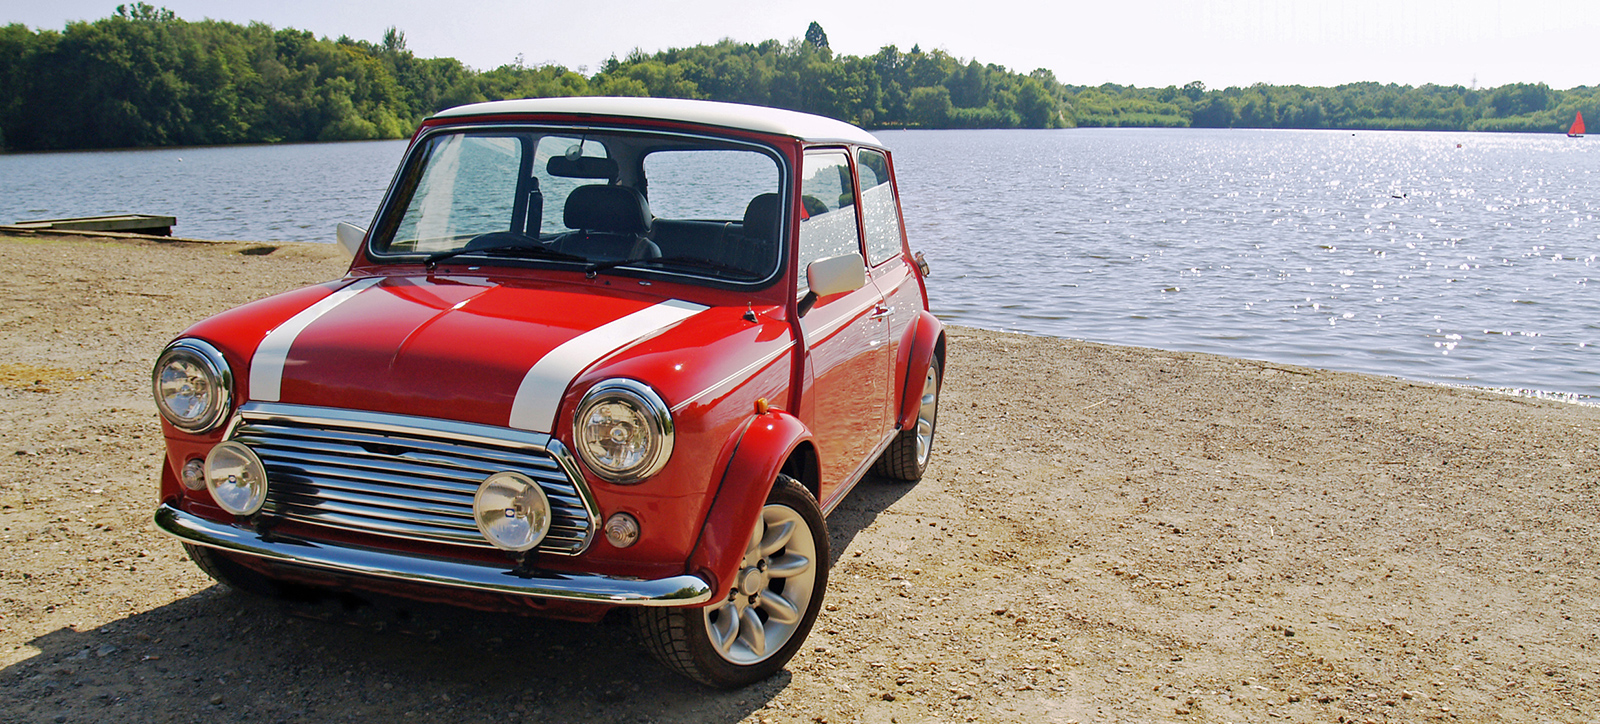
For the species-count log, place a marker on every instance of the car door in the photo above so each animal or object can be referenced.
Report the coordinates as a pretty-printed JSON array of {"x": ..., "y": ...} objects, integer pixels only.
[
  {"x": 889, "y": 268},
  {"x": 846, "y": 334}
]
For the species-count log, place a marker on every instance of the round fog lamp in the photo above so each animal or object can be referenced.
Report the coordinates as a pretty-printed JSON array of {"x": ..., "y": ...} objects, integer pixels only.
[
  {"x": 512, "y": 511},
  {"x": 622, "y": 530},
  {"x": 236, "y": 478}
]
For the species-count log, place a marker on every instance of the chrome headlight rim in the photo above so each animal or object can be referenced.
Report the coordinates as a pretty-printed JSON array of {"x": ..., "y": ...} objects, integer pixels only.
[
  {"x": 650, "y": 407},
  {"x": 219, "y": 397}
]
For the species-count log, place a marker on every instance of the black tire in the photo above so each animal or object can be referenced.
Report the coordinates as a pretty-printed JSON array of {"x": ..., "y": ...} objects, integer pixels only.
[
  {"x": 686, "y": 639},
  {"x": 907, "y": 457},
  {"x": 226, "y": 571}
]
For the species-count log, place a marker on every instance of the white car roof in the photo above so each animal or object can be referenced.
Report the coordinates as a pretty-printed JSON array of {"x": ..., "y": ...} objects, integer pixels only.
[{"x": 804, "y": 126}]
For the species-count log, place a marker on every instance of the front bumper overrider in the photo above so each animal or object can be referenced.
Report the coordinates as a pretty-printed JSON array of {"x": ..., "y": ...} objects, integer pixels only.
[{"x": 683, "y": 590}]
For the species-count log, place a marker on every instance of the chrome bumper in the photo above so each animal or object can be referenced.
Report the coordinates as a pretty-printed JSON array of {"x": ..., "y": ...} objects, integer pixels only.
[{"x": 685, "y": 590}]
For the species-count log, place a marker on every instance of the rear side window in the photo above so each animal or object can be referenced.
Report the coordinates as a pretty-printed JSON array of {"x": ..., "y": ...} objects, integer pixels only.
[{"x": 880, "y": 213}]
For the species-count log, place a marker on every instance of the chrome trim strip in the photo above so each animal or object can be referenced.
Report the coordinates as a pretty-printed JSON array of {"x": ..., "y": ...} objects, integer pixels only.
[
  {"x": 266, "y": 367},
  {"x": 403, "y": 424},
  {"x": 539, "y": 395},
  {"x": 812, "y": 335},
  {"x": 683, "y": 590},
  {"x": 741, "y": 374}
]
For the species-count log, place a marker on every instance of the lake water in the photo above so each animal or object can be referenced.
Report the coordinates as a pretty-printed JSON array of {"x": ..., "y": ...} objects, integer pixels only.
[{"x": 1448, "y": 257}]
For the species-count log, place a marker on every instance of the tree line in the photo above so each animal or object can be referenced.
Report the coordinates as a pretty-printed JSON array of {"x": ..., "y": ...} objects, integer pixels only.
[
  {"x": 1514, "y": 107},
  {"x": 144, "y": 77}
]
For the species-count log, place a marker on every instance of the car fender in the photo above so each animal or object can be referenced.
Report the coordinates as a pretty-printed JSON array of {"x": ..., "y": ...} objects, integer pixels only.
[
  {"x": 758, "y": 457},
  {"x": 923, "y": 342}
]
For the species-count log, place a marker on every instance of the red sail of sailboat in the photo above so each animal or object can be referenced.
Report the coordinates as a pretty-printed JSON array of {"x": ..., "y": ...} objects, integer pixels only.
[{"x": 1577, "y": 127}]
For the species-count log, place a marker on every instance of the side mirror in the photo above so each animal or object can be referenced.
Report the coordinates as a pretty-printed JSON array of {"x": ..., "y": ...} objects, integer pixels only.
[
  {"x": 836, "y": 275},
  {"x": 350, "y": 237},
  {"x": 833, "y": 275}
]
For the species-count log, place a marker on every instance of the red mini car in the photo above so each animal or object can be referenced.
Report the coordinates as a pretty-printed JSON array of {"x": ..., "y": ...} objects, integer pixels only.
[{"x": 593, "y": 353}]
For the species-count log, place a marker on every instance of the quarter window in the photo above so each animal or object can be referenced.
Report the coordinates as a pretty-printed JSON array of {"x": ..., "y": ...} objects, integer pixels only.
[{"x": 880, "y": 214}]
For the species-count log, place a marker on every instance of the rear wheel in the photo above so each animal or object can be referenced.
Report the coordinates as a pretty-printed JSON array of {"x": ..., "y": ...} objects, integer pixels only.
[
  {"x": 907, "y": 457},
  {"x": 765, "y": 617}
]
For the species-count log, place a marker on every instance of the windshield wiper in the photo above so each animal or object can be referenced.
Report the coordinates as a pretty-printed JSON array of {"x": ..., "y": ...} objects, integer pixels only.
[
  {"x": 524, "y": 250},
  {"x": 689, "y": 261}
]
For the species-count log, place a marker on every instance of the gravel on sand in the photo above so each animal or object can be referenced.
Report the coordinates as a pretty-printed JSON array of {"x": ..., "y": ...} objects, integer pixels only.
[{"x": 1106, "y": 534}]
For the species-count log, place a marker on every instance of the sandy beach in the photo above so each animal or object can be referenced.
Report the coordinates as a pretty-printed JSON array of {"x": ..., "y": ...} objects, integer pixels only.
[{"x": 1106, "y": 534}]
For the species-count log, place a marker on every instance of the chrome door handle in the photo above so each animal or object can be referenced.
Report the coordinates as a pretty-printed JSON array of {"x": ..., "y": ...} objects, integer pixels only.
[{"x": 882, "y": 313}]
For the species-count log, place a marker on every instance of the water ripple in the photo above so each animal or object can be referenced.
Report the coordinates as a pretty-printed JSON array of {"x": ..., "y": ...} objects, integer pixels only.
[{"x": 1458, "y": 258}]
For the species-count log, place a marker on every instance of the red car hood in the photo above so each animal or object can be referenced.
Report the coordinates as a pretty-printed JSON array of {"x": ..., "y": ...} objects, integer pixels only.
[{"x": 464, "y": 349}]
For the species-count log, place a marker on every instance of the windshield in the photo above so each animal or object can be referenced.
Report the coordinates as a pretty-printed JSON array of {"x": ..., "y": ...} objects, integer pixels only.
[{"x": 679, "y": 205}]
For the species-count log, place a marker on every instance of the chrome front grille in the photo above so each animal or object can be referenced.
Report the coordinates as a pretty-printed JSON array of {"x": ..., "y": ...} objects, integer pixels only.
[{"x": 405, "y": 477}]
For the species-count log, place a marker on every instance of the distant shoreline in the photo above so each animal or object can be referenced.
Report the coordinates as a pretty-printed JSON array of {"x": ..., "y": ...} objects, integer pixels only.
[{"x": 137, "y": 149}]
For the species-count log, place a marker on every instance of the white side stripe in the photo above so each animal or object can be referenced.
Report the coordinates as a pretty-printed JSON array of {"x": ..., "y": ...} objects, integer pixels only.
[
  {"x": 266, "y": 367},
  {"x": 740, "y": 375},
  {"x": 540, "y": 393}
]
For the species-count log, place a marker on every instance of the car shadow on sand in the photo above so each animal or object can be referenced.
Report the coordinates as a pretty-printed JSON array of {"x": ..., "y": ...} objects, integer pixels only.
[
  {"x": 219, "y": 656},
  {"x": 860, "y": 509}
]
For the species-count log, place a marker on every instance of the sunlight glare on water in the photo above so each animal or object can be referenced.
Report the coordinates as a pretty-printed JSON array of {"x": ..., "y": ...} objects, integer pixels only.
[{"x": 1450, "y": 257}]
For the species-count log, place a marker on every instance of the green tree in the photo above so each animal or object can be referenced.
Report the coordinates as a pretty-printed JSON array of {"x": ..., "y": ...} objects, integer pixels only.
[
  {"x": 815, "y": 36},
  {"x": 929, "y": 106}
]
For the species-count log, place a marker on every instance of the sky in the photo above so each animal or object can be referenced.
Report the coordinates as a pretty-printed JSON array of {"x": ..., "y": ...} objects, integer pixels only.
[{"x": 1150, "y": 43}]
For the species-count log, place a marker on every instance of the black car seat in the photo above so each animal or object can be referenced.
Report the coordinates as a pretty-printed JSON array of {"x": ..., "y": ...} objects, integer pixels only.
[
  {"x": 760, "y": 231},
  {"x": 610, "y": 224}
]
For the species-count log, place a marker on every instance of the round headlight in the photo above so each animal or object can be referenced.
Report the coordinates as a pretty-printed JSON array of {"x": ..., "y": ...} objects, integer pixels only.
[
  {"x": 623, "y": 431},
  {"x": 512, "y": 511},
  {"x": 193, "y": 385},
  {"x": 236, "y": 478}
]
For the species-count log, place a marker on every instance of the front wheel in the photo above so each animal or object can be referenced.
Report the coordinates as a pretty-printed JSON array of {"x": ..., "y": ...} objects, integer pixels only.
[
  {"x": 765, "y": 617},
  {"x": 226, "y": 571}
]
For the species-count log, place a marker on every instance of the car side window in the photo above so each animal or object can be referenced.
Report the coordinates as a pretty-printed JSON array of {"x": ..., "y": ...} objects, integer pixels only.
[
  {"x": 880, "y": 214},
  {"x": 827, "y": 210}
]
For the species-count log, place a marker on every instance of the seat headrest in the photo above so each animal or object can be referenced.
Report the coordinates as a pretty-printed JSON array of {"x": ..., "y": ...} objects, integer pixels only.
[
  {"x": 607, "y": 209},
  {"x": 761, "y": 217}
]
